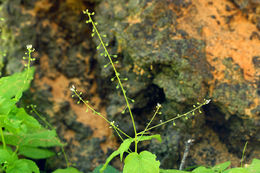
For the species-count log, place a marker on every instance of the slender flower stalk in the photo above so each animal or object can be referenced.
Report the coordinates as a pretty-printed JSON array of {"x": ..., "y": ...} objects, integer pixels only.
[
  {"x": 86, "y": 103},
  {"x": 179, "y": 116},
  {"x": 29, "y": 59},
  {"x": 95, "y": 30},
  {"x": 30, "y": 49},
  {"x": 156, "y": 112}
]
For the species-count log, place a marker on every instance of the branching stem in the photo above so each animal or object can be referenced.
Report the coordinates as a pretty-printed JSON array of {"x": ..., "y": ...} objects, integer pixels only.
[
  {"x": 99, "y": 114},
  {"x": 156, "y": 112},
  {"x": 178, "y": 116},
  {"x": 116, "y": 73}
]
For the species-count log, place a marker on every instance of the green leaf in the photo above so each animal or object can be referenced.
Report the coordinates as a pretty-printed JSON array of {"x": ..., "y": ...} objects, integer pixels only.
[
  {"x": 32, "y": 125},
  {"x": 16, "y": 120},
  {"x": 254, "y": 167},
  {"x": 7, "y": 156},
  {"x": 67, "y": 170},
  {"x": 10, "y": 86},
  {"x": 6, "y": 105},
  {"x": 109, "y": 169},
  {"x": 221, "y": 167},
  {"x": 126, "y": 144},
  {"x": 12, "y": 125},
  {"x": 43, "y": 138},
  {"x": 145, "y": 162},
  {"x": 123, "y": 148},
  {"x": 145, "y": 138},
  {"x": 171, "y": 171},
  {"x": 4, "y": 155},
  {"x": 35, "y": 153},
  {"x": 237, "y": 170},
  {"x": 202, "y": 169},
  {"x": 23, "y": 165}
]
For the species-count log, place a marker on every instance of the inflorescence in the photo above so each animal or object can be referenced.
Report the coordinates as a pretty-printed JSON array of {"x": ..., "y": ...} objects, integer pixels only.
[{"x": 119, "y": 85}]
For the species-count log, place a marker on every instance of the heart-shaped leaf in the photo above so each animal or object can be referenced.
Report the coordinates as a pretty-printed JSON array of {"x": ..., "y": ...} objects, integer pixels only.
[{"x": 145, "y": 162}]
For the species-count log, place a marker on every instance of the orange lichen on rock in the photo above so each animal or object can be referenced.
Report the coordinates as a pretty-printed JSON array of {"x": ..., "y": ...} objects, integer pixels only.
[
  {"x": 226, "y": 33},
  {"x": 42, "y": 6},
  {"x": 60, "y": 85},
  {"x": 231, "y": 44}
]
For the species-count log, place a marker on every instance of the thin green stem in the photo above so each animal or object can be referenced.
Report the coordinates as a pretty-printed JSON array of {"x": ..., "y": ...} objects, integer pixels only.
[
  {"x": 16, "y": 150},
  {"x": 89, "y": 107},
  {"x": 117, "y": 132},
  {"x": 243, "y": 154},
  {"x": 43, "y": 119},
  {"x": 120, "y": 136},
  {"x": 117, "y": 76},
  {"x": 28, "y": 66},
  {"x": 98, "y": 113},
  {"x": 3, "y": 139},
  {"x": 156, "y": 112},
  {"x": 65, "y": 157},
  {"x": 52, "y": 128},
  {"x": 178, "y": 116}
]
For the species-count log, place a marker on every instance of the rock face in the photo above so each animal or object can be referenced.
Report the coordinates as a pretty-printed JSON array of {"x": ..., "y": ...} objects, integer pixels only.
[
  {"x": 63, "y": 55},
  {"x": 173, "y": 52},
  {"x": 192, "y": 50}
]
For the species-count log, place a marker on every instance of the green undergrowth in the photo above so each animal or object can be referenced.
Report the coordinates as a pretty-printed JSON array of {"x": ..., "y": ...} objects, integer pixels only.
[
  {"x": 22, "y": 138},
  {"x": 254, "y": 167}
]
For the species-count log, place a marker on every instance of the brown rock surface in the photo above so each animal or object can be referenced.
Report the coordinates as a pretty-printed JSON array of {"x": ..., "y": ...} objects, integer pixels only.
[{"x": 175, "y": 52}]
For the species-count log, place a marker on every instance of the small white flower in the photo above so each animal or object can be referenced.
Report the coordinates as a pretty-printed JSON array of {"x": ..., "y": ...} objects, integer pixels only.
[
  {"x": 190, "y": 141},
  {"x": 72, "y": 88},
  {"x": 158, "y": 105},
  {"x": 112, "y": 123},
  {"x": 29, "y": 46},
  {"x": 207, "y": 101}
]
